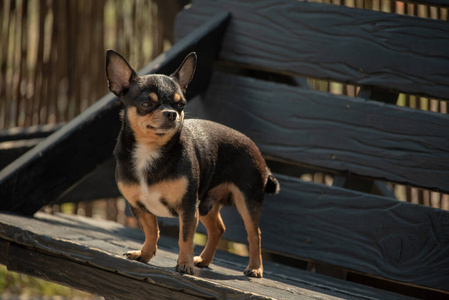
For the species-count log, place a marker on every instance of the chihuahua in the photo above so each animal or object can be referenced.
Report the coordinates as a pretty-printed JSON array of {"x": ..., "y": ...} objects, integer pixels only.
[{"x": 171, "y": 167}]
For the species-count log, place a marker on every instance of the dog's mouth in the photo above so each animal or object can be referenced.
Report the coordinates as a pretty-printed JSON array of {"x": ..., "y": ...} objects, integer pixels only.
[
  {"x": 163, "y": 129},
  {"x": 161, "y": 125}
]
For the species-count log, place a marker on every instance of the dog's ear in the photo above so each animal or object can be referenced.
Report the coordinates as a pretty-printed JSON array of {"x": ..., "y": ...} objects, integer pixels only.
[
  {"x": 184, "y": 74},
  {"x": 119, "y": 73}
]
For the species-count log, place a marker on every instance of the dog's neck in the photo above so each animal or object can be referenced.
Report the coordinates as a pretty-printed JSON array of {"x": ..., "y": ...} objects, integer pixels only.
[{"x": 149, "y": 152}]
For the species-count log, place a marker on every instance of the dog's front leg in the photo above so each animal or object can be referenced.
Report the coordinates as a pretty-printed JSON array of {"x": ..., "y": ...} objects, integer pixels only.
[
  {"x": 188, "y": 222},
  {"x": 149, "y": 225}
]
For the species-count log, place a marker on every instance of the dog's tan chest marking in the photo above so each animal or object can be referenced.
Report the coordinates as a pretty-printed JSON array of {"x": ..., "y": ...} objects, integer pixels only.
[{"x": 160, "y": 198}]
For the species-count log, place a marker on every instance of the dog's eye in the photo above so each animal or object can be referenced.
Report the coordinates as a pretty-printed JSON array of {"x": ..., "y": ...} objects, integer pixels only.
[
  {"x": 180, "y": 104},
  {"x": 147, "y": 104}
]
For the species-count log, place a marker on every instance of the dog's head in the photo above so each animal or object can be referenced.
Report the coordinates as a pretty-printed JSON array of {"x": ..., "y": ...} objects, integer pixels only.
[{"x": 154, "y": 104}]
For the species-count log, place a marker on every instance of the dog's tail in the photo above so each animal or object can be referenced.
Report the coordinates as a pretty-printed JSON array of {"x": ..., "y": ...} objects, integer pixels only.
[{"x": 272, "y": 186}]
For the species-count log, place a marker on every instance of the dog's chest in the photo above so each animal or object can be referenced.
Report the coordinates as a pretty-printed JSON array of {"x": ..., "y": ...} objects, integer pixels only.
[
  {"x": 161, "y": 198},
  {"x": 154, "y": 199}
]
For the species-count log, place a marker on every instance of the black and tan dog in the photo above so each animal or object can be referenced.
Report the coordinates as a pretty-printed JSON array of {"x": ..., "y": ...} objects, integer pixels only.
[{"x": 171, "y": 167}]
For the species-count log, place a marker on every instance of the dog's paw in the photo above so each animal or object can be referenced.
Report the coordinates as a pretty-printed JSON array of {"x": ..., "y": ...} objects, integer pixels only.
[
  {"x": 200, "y": 262},
  {"x": 254, "y": 272},
  {"x": 185, "y": 268},
  {"x": 138, "y": 256}
]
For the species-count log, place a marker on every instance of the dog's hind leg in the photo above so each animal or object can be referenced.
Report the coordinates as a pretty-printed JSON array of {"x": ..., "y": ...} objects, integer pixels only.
[
  {"x": 215, "y": 230},
  {"x": 251, "y": 220}
]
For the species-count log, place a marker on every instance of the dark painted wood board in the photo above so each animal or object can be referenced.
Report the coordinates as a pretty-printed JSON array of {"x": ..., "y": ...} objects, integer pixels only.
[
  {"x": 38, "y": 176},
  {"x": 401, "y": 53},
  {"x": 11, "y": 150},
  {"x": 99, "y": 184},
  {"x": 334, "y": 132},
  {"x": 356, "y": 231},
  {"x": 14, "y": 142},
  {"x": 42, "y": 174},
  {"x": 72, "y": 247},
  {"x": 83, "y": 277},
  {"x": 442, "y": 3},
  {"x": 27, "y": 133}
]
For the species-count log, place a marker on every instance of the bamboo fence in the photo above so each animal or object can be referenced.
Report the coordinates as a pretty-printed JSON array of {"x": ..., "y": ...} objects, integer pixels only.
[{"x": 52, "y": 52}]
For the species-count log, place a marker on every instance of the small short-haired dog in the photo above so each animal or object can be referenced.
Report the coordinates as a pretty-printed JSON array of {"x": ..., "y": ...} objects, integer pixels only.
[{"x": 171, "y": 167}]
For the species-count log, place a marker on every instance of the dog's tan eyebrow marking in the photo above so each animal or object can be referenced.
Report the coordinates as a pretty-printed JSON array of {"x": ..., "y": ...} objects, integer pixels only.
[
  {"x": 177, "y": 97},
  {"x": 153, "y": 97}
]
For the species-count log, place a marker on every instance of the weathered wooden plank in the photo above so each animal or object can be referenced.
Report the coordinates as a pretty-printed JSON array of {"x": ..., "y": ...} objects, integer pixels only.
[
  {"x": 99, "y": 184},
  {"x": 4, "y": 249},
  {"x": 43, "y": 173},
  {"x": 93, "y": 280},
  {"x": 10, "y": 151},
  {"x": 335, "y": 132},
  {"x": 442, "y": 3},
  {"x": 16, "y": 141},
  {"x": 400, "y": 53},
  {"x": 82, "y": 245},
  {"x": 79, "y": 242},
  {"x": 356, "y": 231},
  {"x": 27, "y": 133}
]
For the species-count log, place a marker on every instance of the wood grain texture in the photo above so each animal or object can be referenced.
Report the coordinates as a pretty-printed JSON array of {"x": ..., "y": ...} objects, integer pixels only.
[
  {"x": 335, "y": 132},
  {"x": 93, "y": 280},
  {"x": 361, "y": 232},
  {"x": 92, "y": 251},
  {"x": 42, "y": 174},
  {"x": 100, "y": 249},
  {"x": 368, "y": 48}
]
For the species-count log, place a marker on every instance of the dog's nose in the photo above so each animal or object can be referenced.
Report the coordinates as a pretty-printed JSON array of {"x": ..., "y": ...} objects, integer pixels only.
[{"x": 170, "y": 114}]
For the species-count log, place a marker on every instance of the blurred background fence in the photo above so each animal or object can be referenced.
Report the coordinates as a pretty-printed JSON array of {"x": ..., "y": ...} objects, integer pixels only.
[
  {"x": 52, "y": 52},
  {"x": 52, "y": 63}
]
